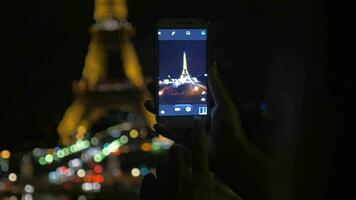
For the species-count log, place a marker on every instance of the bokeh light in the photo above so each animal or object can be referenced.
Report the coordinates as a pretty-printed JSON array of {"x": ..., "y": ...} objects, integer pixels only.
[
  {"x": 5, "y": 154},
  {"x": 134, "y": 133},
  {"x": 135, "y": 172},
  {"x": 12, "y": 177}
]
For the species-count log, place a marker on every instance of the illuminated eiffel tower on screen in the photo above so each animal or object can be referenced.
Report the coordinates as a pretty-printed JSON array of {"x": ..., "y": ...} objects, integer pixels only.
[{"x": 96, "y": 94}]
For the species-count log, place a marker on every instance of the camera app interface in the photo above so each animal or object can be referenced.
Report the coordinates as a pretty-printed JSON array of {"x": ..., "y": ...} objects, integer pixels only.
[{"x": 182, "y": 72}]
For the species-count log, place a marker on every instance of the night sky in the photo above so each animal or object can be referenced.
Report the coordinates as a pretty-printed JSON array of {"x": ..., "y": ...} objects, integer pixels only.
[
  {"x": 171, "y": 58},
  {"x": 44, "y": 44}
]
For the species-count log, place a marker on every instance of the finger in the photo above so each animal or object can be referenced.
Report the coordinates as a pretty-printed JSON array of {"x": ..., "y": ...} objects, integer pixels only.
[
  {"x": 200, "y": 162},
  {"x": 217, "y": 89},
  {"x": 175, "y": 134},
  {"x": 152, "y": 87},
  {"x": 181, "y": 155},
  {"x": 168, "y": 174},
  {"x": 150, "y": 106},
  {"x": 148, "y": 190}
]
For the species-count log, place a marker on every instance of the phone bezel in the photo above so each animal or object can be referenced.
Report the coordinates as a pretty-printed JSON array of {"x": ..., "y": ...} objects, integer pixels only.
[{"x": 181, "y": 121}]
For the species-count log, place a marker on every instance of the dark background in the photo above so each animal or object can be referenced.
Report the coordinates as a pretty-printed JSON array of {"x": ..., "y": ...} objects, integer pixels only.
[{"x": 44, "y": 44}]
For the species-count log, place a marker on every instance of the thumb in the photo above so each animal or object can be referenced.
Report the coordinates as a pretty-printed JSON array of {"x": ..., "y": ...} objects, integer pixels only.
[{"x": 217, "y": 88}]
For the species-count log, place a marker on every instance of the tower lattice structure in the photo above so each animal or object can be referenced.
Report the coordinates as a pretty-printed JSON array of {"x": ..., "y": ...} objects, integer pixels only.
[{"x": 95, "y": 93}]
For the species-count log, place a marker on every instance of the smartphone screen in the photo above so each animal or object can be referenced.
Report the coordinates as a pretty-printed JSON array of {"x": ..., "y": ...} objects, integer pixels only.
[{"x": 182, "y": 72}]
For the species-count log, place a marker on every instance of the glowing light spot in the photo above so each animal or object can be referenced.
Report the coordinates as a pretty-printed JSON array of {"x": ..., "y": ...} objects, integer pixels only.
[
  {"x": 126, "y": 126},
  {"x": 143, "y": 133},
  {"x": 60, "y": 154},
  {"x": 66, "y": 151},
  {"x": 106, "y": 152},
  {"x": 115, "y": 133},
  {"x": 87, "y": 186},
  {"x": 5, "y": 154},
  {"x": 196, "y": 88},
  {"x": 146, "y": 146},
  {"x": 29, "y": 188},
  {"x": 5, "y": 167},
  {"x": 69, "y": 172},
  {"x": 98, "y": 169},
  {"x": 160, "y": 93},
  {"x": 94, "y": 141},
  {"x": 134, "y": 133},
  {"x": 81, "y": 130},
  {"x": 124, "y": 139},
  {"x": 75, "y": 163},
  {"x": 37, "y": 152},
  {"x": 82, "y": 197},
  {"x": 42, "y": 161},
  {"x": 12, "y": 177},
  {"x": 203, "y": 92},
  {"x": 155, "y": 146},
  {"x": 98, "y": 158},
  {"x": 27, "y": 197},
  {"x": 144, "y": 171},
  {"x": 49, "y": 158},
  {"x": 135, "y": 172},
  {"x": 81, "y": 173},
  {"x": 13, "y": 197},
  {"x": 79, "y": 136}
]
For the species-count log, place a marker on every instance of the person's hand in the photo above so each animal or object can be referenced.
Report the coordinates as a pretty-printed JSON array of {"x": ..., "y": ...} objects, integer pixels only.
[
  {"x": 175, "y": 179},
  {"x": 184, "y": 175},
  {"x": 232, "y": 157},
  {"x": 225, "y": 120}
]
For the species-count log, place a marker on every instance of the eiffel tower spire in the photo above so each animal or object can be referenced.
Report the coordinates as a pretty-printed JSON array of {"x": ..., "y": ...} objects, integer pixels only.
[{"x": 185, "y": 74}]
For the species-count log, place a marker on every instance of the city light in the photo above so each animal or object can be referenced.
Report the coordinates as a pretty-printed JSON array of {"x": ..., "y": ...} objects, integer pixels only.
[
  {"x": 27, "y": 197},
  {"x": 29, "y": 188},
  {"x": 98, "y": 169},
  {"x": 124, "y": 139},
  {"x": 12, "y": 197},
  {"x": 81, "y": 173},
  {"x": 94, "y": 141},
  {"x": 134, "y": 133},
  {"x": 82, "y": 197},
  {"x": 98, "y": 157},
  {"x": 49, "y": 158},
  {"x": 146, "y": 146},
  {"x": 5, "y": 154},
  {"x": 12, "y": 177},
  {"x": 135, "y": 172},
  {"x": 91, "y": 187}
]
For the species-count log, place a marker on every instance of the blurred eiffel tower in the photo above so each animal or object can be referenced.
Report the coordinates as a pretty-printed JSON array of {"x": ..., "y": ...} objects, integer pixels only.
[{"x": 101, "y": 90}]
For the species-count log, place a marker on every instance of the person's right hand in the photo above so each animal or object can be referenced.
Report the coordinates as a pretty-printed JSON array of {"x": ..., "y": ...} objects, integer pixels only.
[
  {"x": 184, "y": 175},
  {"x": 225, "y": 126},
  {"x": 232, "y": 157}
]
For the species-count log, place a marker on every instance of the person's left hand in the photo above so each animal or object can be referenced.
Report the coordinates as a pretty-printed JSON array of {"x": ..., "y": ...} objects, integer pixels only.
[{"x": 174, "y": 177}]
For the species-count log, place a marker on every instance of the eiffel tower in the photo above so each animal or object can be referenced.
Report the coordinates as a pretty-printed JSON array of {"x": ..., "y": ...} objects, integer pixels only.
[
  {"x": 185, "y": 74},
  {"x": 95, "y": 93}
]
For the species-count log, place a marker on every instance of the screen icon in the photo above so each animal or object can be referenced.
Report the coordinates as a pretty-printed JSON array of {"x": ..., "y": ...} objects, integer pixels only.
[
  {"x": 173, "y": 33},
  {"x": 203, "y": 33},
  {"x": 203, "y": 110},
  {"x": 187, "y": 33},
  {"x": 188, "y": 109}
]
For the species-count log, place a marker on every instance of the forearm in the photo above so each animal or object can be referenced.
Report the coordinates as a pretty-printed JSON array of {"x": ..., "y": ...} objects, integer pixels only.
[{"x": 247, "y": 172}]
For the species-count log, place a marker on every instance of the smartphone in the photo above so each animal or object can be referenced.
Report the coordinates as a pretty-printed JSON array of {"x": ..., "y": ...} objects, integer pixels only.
[{"x": 182, "y": 78}]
